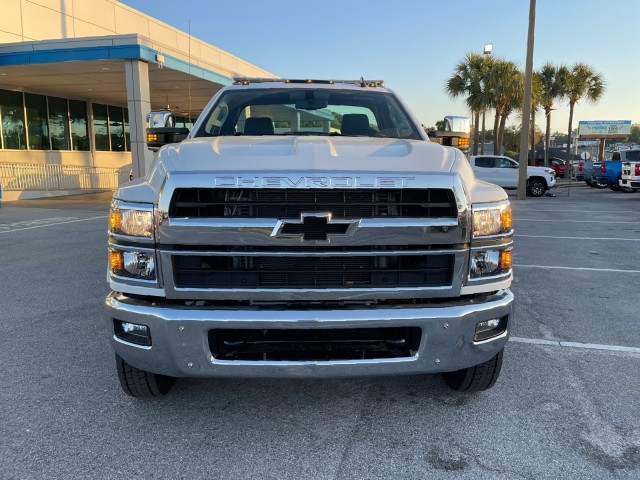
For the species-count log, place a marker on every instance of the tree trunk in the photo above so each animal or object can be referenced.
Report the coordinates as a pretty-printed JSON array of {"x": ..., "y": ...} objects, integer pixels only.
[
  {"x": 533, "y": 137},
  {"x": 547, "y": 140},
  {"x": 484, "y": 133},
  {"x": 567, "y": 161},
  {"x": 503, "y": 121},
  {"x": 496, "y": 125},
  {"x": 476, "y": 131}
]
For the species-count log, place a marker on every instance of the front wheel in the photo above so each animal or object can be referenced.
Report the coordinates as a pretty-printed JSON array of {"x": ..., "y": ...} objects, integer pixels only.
[
  {"x": 477, "y": 378},
  {"x": 537, "y": 187},
  {"x": 140, "y": 383},
  {"x": 627, "y": 189}
]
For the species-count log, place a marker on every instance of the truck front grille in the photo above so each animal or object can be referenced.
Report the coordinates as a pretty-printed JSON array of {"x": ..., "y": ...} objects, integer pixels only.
[
  {"x": 269, "y": 271},
  {"x": 313, "y": 345},
  {"x": 290, "y": 203}
]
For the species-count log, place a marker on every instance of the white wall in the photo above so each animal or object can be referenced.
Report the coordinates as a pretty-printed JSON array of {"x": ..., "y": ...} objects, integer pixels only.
[{"x": 28, "y": 20}]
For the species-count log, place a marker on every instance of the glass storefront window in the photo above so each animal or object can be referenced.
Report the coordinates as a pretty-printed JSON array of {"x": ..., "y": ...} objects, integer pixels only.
[
  {"x": 12, "y": 117},
  {"x": 127, "y": 130},
  {"x": 79, "y": 125},
  {"x": 101, "y": 127},
  {"x": 116, "y": 129},
  {"x": 59, "y": 123},
  {"x": 37, "y": 124}
]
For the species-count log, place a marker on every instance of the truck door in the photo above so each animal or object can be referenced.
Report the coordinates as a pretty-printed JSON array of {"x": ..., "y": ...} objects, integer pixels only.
[
  {"x": 506, "y": 172},
  {"x": 484, "y": 168}
]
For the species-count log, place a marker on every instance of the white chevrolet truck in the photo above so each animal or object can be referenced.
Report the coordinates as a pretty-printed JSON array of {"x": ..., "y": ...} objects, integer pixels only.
[{"x": 307, "y": 229}]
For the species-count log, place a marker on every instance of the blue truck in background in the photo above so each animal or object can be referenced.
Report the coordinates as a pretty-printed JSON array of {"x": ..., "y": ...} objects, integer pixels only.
[{"x": 611, "y": 170}]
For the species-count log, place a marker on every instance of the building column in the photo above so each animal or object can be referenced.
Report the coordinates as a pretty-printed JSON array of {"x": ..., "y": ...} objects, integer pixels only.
[{"x": 139, "y": 104}]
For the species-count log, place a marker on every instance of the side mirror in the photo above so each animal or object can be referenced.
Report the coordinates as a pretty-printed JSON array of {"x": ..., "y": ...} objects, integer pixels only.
[{"x": 158, "y": 137}]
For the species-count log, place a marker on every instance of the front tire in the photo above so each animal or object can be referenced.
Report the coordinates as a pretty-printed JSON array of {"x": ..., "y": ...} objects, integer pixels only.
[
  {"x": 627, "y": 189},
  {"x": 477, "y": 378},
  {"x": 537, "y": 187},
  {"x": 140, "y": 383}
]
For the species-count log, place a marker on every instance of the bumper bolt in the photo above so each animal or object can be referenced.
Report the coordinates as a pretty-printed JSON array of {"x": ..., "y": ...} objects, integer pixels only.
[
  {"x": 437, "y": 361},
  {"x": 190, "y": 364}
]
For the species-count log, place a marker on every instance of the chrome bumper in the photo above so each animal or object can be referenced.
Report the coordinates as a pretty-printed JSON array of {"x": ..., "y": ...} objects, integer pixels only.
[{"x": 180, "y": 344}]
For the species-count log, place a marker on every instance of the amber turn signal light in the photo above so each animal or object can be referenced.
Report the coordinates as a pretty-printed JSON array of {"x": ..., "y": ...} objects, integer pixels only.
[
  {"x": 505, "y": 259},
  {"x": 506, "y": 219},
  {"x": 115, "y": 221},
  {"x": 115, "y": 260}
]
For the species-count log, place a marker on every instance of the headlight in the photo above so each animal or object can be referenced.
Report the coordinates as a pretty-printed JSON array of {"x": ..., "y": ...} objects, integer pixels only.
[
  {"x": 137, "y": 223},
  {"x": 131, "y": 264},
  {"x": 486, "y": 263},
  {"x": 551, "y": 172},
  {"x": 491, "y": 221}
]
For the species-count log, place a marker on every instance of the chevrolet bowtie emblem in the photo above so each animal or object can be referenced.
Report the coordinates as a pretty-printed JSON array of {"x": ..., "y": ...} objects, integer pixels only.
[{"x": 314, "y": 227}]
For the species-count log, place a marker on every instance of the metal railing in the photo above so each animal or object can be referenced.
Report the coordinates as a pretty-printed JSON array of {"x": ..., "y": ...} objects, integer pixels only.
[{"x": 28, "y": 176}]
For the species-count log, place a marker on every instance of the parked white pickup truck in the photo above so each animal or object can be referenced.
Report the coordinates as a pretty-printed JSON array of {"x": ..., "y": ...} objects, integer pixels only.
[
  {"x": 503, "y": 171},
  {"x": 630, "y": 178}
]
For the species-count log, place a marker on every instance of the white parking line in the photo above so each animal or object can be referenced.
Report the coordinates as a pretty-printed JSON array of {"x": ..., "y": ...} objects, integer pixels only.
[
  {"x": 586, "y": 269},
  {"x": 15, "y": 227},
  {"x": 587, "y": 346},
  {"x": 568, "y": 221},
  {"x": 581, "y": 212},
  {"x": 580, "y": 238}
]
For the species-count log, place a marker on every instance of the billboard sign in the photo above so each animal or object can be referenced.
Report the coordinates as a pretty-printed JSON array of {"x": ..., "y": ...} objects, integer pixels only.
[{"x": 604, "y": 129}]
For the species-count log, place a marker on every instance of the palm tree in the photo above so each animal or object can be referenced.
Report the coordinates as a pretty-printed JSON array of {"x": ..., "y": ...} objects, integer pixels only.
[
  {"x": 504, "y": 86},
  {"x": 551, "y": 83},
  {"x": 581, "y": 81},
  {"x": 467, "y": 80}
]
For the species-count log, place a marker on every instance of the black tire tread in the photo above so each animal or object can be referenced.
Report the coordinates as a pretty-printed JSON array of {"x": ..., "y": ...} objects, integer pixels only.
[
  {"x": 477, "y": 378},
  {"x": 140, "y": 383},
  {"x": 536, "y": 180}
]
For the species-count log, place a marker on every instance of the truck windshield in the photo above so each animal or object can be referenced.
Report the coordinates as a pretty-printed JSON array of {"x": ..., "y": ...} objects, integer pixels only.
[{"x": 307, "y": 111}]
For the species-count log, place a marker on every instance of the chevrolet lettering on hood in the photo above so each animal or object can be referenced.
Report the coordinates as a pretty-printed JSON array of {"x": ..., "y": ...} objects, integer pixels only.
[{"x": 312, "y": 182}]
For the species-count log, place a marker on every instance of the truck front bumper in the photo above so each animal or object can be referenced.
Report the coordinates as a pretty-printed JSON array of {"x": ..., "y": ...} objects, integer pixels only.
[{"x": 180, "y": 336}]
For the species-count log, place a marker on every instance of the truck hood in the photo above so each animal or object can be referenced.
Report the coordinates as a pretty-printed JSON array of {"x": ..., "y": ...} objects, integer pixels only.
[
  {"x": 539, "y": 170},
  {"x": 313, "y": 153}
]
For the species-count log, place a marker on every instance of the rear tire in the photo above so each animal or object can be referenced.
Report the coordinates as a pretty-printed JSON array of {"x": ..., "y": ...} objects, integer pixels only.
[
  {"x": 628, "y": 189},
  {"x": 477, "y": 378},
  {"x": 536, "y": 187},
  {"x": 140, "y": 383},
  {"x": 588, "y": 182},
  {"x": 614, "y": 186}
]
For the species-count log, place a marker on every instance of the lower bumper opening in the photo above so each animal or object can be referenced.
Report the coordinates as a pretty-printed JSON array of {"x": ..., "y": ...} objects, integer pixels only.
[{"x": 314, "y": 345}]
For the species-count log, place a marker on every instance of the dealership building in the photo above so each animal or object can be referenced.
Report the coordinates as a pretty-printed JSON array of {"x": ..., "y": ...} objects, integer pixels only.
[{"x": 77, "y": 80}]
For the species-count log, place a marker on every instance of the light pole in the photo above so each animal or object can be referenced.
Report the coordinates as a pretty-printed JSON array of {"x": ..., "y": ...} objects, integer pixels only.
[
  {"x": 488, "y": 49},
  {"x": 526, "y": 110}
]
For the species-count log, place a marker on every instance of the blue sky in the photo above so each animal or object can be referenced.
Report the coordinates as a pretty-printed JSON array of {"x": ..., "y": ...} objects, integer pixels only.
[{"x": 414, "y": 44}]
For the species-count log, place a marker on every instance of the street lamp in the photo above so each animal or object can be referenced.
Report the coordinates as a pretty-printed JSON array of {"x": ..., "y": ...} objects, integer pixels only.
[{"x": 488, "y": 48}]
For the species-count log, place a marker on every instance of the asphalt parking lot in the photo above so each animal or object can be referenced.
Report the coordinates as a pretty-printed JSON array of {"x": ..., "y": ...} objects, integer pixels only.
[{"x": 565, "y": 406}]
